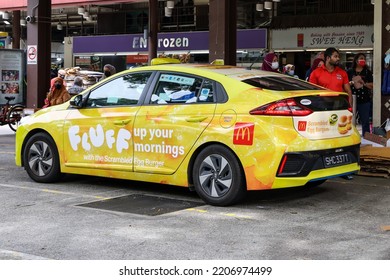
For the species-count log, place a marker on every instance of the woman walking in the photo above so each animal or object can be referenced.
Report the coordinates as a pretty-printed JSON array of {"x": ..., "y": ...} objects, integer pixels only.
[{"x": 361, "y": 81}]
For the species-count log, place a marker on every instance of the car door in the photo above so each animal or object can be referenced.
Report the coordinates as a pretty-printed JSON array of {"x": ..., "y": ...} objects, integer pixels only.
[
  {"x": 178, "y": 110},
  {"x": 99, "y": 135}
]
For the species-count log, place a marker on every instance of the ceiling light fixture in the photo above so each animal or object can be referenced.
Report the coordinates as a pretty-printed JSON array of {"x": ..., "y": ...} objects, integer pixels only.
[
  {"x": 259, "y": 7},
  {"x": 59, "y": 26},
  {"x": 268, "y": 5},
  {"x": 6, "y": 22},
  {"x": 170, "y": 4},
  {"x": 86, "y": 14},
  {"x": 5, "y": 15},
  {"x": 81, "y": 11},
  {"x": 23, "y": 22},
  {"x": 168, "y": 12}
]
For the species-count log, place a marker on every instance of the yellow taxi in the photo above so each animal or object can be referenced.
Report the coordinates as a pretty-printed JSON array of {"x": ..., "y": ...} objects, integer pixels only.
[{"x": 220, "y": 130}]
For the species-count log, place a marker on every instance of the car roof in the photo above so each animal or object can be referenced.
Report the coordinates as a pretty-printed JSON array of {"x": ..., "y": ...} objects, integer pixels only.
[{"x": 235, "y": 72}]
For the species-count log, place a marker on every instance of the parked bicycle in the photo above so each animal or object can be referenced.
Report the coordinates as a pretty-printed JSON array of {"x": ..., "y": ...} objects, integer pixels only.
[{"x": 11, "y": 114}]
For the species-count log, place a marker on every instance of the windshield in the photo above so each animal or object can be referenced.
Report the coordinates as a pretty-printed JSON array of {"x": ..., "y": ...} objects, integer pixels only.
[{"x": 281, "y": 83}]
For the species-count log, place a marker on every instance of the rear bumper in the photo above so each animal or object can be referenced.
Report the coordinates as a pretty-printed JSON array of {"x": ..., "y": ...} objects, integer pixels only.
[
  {"x": 301, "y": 164},
  {"x": 304, "y": 167},
  {"x": 323, "y": 174}
]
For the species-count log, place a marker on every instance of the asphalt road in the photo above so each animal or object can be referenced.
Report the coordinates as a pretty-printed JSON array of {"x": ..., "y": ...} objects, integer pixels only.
[{"x": 340, "y": 220}]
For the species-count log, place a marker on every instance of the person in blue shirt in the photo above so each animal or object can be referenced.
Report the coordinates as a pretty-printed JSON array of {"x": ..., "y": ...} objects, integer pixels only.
[{"x": 77, "y": 86}]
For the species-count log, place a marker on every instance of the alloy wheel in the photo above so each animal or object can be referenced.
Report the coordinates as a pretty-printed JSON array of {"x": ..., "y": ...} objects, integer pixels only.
[
  {"x": 40, "y": 158},
  {"x": 215, "y": 175}
]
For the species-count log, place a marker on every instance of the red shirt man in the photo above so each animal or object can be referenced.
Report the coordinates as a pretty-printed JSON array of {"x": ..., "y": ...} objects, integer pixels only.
[{"x": 330, "y": 75}]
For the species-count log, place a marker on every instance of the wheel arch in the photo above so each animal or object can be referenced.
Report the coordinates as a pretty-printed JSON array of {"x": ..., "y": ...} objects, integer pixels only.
[
  {"x": 29, "y": 135},
  {"x": 195, "y": 155}
]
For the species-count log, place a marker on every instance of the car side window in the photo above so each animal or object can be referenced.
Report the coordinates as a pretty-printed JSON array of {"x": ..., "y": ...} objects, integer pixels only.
[
  {"x": 122, "y": 91},
  {"x": 176, "y": 89}
]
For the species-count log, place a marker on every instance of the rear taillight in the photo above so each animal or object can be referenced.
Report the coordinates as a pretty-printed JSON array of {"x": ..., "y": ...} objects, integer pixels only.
[{"x": 285, "y": 107}]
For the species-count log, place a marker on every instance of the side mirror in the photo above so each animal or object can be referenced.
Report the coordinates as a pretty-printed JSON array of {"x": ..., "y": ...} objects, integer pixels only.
[{"x": 77, "y": 101}]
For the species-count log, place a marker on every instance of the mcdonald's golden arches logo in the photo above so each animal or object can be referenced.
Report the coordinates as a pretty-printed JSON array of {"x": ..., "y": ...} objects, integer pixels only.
[
  {"x": 243, "y": 133},
  {"x": 302, "y": 125}
]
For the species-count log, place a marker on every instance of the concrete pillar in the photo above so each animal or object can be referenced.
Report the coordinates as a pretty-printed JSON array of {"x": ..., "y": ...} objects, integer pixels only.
[
  {"x": 16, "y": 29},
  {"x": 38, "y": 39},
  {"x": 385, "y": 28},
  {"x": 152, "y": 29},
  {"x": 223, "y": 30},
  {"x": 68, "y": 52},
  {"x": 381, "y": 104}
]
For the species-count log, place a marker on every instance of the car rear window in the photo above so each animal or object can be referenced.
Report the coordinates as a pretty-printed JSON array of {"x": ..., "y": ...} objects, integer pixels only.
[
  {"x": 324, "y": 103},
  {"x": 281, "y": 83}
]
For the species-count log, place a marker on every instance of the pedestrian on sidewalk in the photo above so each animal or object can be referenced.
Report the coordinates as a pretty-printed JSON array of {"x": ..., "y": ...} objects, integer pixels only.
[
  {"x": 361, "y": 81},
  {"x": 330, "y": 75}
]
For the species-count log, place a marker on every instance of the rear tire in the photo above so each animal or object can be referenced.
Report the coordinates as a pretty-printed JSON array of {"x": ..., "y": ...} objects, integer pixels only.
[
  {"x": 41, "y": 160},
  {"x": 218, "y": 177}
]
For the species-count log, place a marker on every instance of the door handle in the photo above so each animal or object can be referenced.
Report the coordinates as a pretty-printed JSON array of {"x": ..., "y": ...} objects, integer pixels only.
[
  {"x": 196, "y": 119},
  {"x": 122, "y": 122}
]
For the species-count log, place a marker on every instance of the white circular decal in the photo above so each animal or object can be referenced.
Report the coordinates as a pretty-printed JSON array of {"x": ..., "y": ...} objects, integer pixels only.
[{"x": 305, "y": 102}]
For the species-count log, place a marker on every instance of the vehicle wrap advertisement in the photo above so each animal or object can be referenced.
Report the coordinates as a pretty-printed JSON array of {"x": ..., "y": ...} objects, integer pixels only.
[
  {"x": 119, "y": 143},
  {"x": 321, "y": 125}
]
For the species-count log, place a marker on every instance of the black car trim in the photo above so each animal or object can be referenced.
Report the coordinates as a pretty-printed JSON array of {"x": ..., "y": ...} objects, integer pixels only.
[{"x": 300, "y": 164}]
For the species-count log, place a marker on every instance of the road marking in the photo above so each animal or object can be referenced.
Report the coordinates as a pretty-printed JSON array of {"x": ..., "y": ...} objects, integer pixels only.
[
  {"x": 71, "y": 193},
  {"x": 202, "y": 211},
  {"x": 236, "y": 216},
  {"x": 9, "y": 153},
  {"x": 13, "y": 255},
  {"x": 197, "y": 210},
  {"x": 233, "y": 215},
  {"x": 385, "y": 228},
  {"x": 54, "y": 191}
]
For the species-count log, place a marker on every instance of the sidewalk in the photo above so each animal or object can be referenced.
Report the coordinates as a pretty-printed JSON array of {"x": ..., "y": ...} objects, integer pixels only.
[{"x": 6, "y": 130}]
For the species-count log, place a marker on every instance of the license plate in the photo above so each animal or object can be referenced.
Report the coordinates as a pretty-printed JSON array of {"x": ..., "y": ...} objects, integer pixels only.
[{"x": 337, "y": 159}]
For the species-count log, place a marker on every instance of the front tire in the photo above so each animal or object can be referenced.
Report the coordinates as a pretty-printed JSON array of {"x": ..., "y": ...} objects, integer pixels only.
[
  {"x": 41, "y": 160},
  {"x": 218, "y": 177}
]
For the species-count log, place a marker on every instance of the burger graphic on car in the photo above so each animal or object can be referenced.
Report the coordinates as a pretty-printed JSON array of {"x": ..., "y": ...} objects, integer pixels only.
[{"x": 345, "y": 124}]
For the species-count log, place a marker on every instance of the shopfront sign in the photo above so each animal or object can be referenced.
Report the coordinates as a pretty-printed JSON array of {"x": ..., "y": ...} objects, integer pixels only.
[
  {"x": 180, "y": 41},
  {"x": 345, "y": 37},
  {"x": 137, "y": 58}
]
